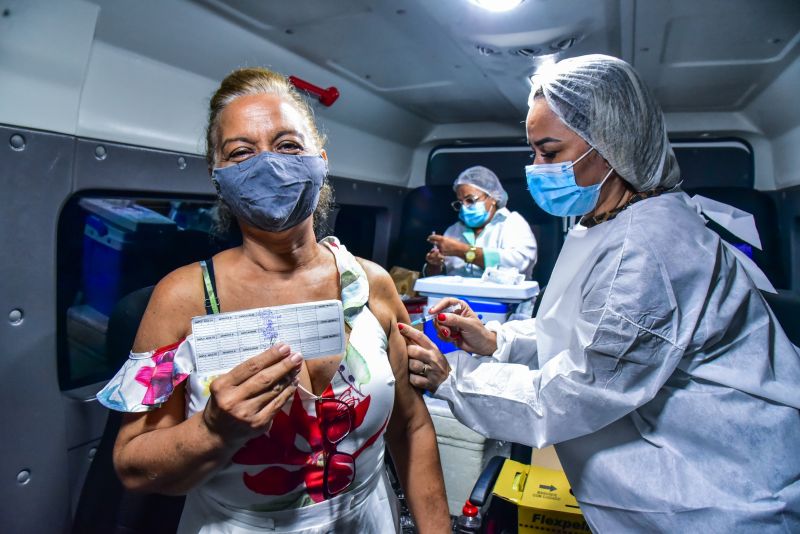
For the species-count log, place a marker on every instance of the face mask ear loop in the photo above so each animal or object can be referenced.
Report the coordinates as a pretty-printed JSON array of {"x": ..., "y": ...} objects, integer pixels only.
[
  {"x": 580, "y": 158},
  {"x": 606, "y": 177}
]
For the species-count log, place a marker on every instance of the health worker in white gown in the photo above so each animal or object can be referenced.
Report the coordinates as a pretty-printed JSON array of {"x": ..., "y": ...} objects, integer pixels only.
[
  {"x": 654, "y": 364},
  {"x": 487, "y": 233}
]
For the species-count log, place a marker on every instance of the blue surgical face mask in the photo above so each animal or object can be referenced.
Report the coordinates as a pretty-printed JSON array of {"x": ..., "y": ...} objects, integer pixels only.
[
  {"x": 474, "y": 216},
  {"x": 553, "y": 188},
  {"x": 272, "y": 191}
]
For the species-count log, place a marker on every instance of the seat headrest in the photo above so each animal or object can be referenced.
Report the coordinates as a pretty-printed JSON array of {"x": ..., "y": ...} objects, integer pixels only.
[{"x": 124, "y": 323}]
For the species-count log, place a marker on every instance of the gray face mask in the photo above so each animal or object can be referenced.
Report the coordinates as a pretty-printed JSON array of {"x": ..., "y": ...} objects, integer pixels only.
[{"x": 272, "y": 191}]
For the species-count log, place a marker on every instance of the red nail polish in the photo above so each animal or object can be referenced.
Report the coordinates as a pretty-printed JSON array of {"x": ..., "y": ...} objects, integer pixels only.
[
  {"x": 441, "y": 317},
  {"x": 445, "y": 332},
  {"x": 399, "y": 326}
]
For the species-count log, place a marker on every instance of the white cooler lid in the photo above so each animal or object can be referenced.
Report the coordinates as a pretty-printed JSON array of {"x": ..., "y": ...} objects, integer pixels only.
[{"x": 451, "y": 286}]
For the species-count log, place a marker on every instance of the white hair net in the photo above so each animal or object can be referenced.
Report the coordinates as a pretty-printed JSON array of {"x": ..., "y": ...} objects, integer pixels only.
[
  {"x": 604, "y": 100},
  {"x": 486, "y": 181}
]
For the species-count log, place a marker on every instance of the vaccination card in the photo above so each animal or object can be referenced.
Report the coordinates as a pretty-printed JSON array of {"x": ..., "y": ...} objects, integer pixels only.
[{"x": 224, "y": 340}]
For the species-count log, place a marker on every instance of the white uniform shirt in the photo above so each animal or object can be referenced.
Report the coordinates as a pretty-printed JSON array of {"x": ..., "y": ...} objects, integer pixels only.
[{"x": 507, "y": 241}]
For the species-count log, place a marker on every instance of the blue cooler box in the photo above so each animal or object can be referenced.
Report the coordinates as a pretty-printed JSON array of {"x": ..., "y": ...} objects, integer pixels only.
[
  {"x": 487, "y": 311},
  {"x": 123, "y": 244}
]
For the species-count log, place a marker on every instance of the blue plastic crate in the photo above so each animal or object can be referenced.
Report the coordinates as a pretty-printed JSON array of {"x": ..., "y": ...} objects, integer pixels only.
[
  {"x": 487, "y": 311},
  {"x": 121, "y": 247}
]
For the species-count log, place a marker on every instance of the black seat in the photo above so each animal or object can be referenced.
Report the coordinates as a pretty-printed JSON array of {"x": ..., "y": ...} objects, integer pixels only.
[
  {"x": 427, "y": 209},
  {"x": 547, "y": 229},
  {"x": 356, "y": 226},
  {"x": 105, "y": 506},
  {"x": 786, "y": 307},
  {"x": 765, "y": 214}
]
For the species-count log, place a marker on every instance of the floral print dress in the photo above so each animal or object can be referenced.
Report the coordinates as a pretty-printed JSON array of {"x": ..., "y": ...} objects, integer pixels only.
[{"x": 275, "y": 481}]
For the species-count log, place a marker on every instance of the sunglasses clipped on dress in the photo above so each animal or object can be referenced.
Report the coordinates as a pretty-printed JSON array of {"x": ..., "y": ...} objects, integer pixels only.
[{"x": 336, "y": 420}]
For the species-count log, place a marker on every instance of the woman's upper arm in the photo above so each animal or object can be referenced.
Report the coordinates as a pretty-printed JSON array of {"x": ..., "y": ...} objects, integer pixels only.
[
  {"x": 175, "y": 300},
  {"x": 169, "y": 414},
  {"x": 385, "y": 304},
  {"x": 387, "y": 307}
]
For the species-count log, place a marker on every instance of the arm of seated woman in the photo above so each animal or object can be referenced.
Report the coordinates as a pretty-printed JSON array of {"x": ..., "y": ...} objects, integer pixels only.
[{"x": 410, "y": 434}]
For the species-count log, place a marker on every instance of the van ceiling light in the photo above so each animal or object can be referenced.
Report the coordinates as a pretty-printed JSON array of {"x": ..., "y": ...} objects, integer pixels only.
[
  {"x": 539, "y": 62},
  {"x": 563, "y": 44},
  {"x": 485, "y": 50},
  {"x": 497, "y": 5},
  {"x": 527, "y": 52}
]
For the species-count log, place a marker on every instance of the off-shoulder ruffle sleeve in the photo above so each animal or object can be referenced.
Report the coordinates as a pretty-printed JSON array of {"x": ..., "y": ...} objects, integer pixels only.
[{"x": 148, "y": 378}]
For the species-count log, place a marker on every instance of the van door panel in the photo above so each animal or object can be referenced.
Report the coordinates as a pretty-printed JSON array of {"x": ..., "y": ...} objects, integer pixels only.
[{"x": 33, "y": 453}]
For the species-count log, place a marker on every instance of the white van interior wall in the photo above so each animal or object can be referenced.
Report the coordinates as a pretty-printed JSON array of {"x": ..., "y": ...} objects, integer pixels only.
[
  {"x": 727, "y": 124},
  {"x": 130, "y": 97},
  {"x": 165, "y": 108},
  {"x": 45, "y": 51},
  {"x": 444, "y": 134},
  {"x": 135, "y": 100},
  {"x": 776, "y": 113}
]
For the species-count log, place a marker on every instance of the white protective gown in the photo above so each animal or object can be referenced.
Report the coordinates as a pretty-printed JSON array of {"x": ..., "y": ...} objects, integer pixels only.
[
  {"x": 507, "y": 241},
  {"x": 659, "y": 371}
]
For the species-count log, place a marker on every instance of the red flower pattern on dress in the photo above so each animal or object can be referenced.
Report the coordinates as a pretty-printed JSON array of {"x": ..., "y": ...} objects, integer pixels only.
[
  {"x": 161, "y": 379},
  {"x": 290, "y": 466}
]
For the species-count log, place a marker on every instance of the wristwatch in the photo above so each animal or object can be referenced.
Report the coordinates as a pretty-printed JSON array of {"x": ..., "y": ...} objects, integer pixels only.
[{"x": 469, "y": 255}]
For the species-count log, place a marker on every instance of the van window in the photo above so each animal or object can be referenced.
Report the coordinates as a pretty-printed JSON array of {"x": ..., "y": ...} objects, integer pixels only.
[
  {"x": 703, "y": 162},
  {"x": 355, "y": 226},
  {"x": 109, "y": 247},
  {"x": 507, "y": 162},
  {"x": 719, "y": 163}
]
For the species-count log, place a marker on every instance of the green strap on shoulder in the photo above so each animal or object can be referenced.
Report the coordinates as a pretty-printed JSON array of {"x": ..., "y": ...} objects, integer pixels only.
[{"x": 210, "y": 293}]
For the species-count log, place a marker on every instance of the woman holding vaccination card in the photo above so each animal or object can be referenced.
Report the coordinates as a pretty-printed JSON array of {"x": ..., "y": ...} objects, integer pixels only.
[{"x": 277, "y": 442}]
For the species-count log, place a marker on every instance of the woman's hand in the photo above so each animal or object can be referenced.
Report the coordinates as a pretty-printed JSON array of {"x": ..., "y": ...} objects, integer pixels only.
[
  {"x": 448, "y": 246},
  {"x": 463, "y": 328},
  {"x": 427, "y": 366},
  {"x": 243, "y": 401}
]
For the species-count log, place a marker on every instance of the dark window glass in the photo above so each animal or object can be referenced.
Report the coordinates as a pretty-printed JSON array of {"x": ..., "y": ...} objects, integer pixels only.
[
  {"x": 715, "y": 163},
  {"x": 355, "y": 227},
  {"x": 507, "y": 162},
  {"x": 703, "y": 163},
  {"x": 109, "y": 247}
]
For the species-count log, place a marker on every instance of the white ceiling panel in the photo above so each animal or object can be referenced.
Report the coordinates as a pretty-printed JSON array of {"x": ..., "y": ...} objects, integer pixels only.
[
  {"x": 761, "y": 36},
  {"x": 444, "y": 60},
  {"x": 701, "y": 55},
  {"x": 706, "y": 88},
  {"x": 448, "y": 61}
]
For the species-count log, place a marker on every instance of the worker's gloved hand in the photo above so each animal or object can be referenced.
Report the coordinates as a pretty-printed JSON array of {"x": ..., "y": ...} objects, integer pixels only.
[{"x": 463, "y": 327}]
